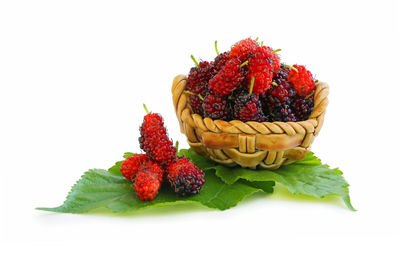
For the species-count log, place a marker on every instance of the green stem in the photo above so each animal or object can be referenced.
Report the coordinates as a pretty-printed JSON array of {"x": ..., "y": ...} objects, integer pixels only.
[
  {"x": 216, "y": 48},
  {"x": 310, "y": 94},
  {"x": 252, "y": 84},
  {"x": 277, "y": 50},
  {"x": 145, "y": 108},
  {"x": 191, "y": 93},
  {"x": 262, "y": 43},
  {"x": 291, "y": 67},
  {"x": 256, "y": 39},
  {"x": 177, "y": 145},
  {"x": 188, "y": 92},
  {"x": 274, "y": 84},
  {"x": 195, "y": 61},
  {"x": 244, "y": 63}
]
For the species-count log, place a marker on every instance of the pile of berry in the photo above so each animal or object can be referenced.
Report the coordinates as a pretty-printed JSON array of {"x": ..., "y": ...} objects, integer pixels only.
[
  {"x": 147, "y": 171},
  {"x": 249, "y": 83}
]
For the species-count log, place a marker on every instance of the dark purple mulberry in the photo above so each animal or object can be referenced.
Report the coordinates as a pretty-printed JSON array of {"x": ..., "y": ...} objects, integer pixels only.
[{"x": 216, "y": 108}]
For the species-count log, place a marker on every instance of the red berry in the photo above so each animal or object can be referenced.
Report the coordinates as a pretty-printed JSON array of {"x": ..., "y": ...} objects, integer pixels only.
[
  {"x": 215, "y": 107},
  {"x": 185, "y": 178},
  {"x": 131, "y": 165},
  {"x": 154, "y": 140},
  {"x": 274, "y": 58},
  {"x": 247, "y": 107},
  {"x": 244, "y": 49},
  {"x": 302, "y": 80},
  {"x": 220, "y": 61},
  {"x": 199, "y": 76},
  {"x": 147, "y": 184},
  {"x": 228, "y": 78},
  {"x": 261, "y": 67},
  {"x": 154, "y": 168}
]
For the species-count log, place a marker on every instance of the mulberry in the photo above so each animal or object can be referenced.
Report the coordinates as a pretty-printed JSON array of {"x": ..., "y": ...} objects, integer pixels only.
[
  {"x": 155, "y": 141},
  {"x": 302, "y": 80},
  {"x": 185, "y": 178},
  {"x": 228, "y": 78},
  {"x": 216, "y": 108},
  {"x": 131, "y": 165}
]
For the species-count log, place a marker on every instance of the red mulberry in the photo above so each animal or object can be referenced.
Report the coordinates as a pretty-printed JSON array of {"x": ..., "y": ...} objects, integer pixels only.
[
  {"x": 185, "y": 178},
  {"x": 228, "y": 78},
  {"x": 199, "y": 76},
  {"x": 302, "y": 80},
  {"x": 131, "y": 165},
  {"x": 154, "y": 140},
  {"x": 244, "y": 49},
  {"x": 147, "y": 183},
  {"x": 262, "y": 69}
]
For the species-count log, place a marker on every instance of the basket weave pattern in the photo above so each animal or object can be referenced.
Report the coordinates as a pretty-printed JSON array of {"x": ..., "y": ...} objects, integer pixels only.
[{"x": 266, "y": 145}]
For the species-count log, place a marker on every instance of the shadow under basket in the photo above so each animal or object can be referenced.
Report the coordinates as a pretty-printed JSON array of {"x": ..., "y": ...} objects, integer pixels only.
[{"x": 266, "y": 145}]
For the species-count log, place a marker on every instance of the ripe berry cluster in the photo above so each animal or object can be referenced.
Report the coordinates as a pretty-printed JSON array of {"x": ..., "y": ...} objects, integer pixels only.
[
  {"x": 147, "y": 171},
  {"x": 249, "y": 83}
]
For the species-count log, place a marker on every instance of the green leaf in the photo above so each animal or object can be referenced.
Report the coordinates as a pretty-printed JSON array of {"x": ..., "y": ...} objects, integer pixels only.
[
  {"x": 308, "y": 176},
  {"x": 128, "y": 154},
  {"x": 101, "y": 188},
  {"x": 117, "y": 166},
  {"x": 116, "y": 169}
]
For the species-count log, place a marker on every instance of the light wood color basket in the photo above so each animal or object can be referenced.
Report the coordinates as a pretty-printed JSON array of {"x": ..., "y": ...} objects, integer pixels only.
[{"x": 265, "y": 145}]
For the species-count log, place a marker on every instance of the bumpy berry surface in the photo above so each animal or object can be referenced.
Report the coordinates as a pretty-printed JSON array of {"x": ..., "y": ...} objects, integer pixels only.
[
  {"x": 185, "y": 178},
  {"x": 244, "y": 49},
  {"x": 154, "y": 140},
  {"x": 262, "y": 69},
  {"x": 146, "y": 184},
  {"x": 247, "y": 107},
  {"x": 277, "y": 101},
  {"x": 274, "y": 58},
  {"x": 302, "y": 80},
  {"x": 220, "y": 61},
  {"x": 302, "y": 107},
  {"x": 131, "y": 165},
  {"x": 216, "y": 108},
  {"x": 199, "y": 76},
  {"x": 227, "y": 79},
  {"x": 153, "y": 167},
  {"x": 197, "y": 103}
]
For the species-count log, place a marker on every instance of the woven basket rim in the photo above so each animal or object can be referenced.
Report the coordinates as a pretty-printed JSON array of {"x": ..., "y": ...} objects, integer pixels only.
[{"x": 320, "y": 104}]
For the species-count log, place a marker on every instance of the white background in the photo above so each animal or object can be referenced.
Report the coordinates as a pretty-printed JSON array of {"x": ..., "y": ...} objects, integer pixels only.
[{"x": 74, "y": 75}]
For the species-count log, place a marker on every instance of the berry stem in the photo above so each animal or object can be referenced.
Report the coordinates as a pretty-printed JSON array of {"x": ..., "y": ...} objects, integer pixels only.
[
  {"x": 195, "y": 61},
  {"x": 191, "y": 93},
  {"x": 145, "y": 108},
  {"x": 316, "y": 81},
  {"x": 256, "y": 39},
  {"x": 252, "y": 84},
  {"x": 188, "y": 92},
  {"x": 262, "y": 43},
  {"x": 244, "y": 63},
  {"x": 277, "y": 50},
  {"x": 291, "y": 67},
  {"x": 216, "y": 47},
  {"x": 310, "y": 95},
  {"x": 274, "y": 84},
  {"x": 177, "y": 146}
]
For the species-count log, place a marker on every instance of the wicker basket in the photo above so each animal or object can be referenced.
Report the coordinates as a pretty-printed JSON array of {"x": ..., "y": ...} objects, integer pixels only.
[{"x": 266, "y": 145}]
